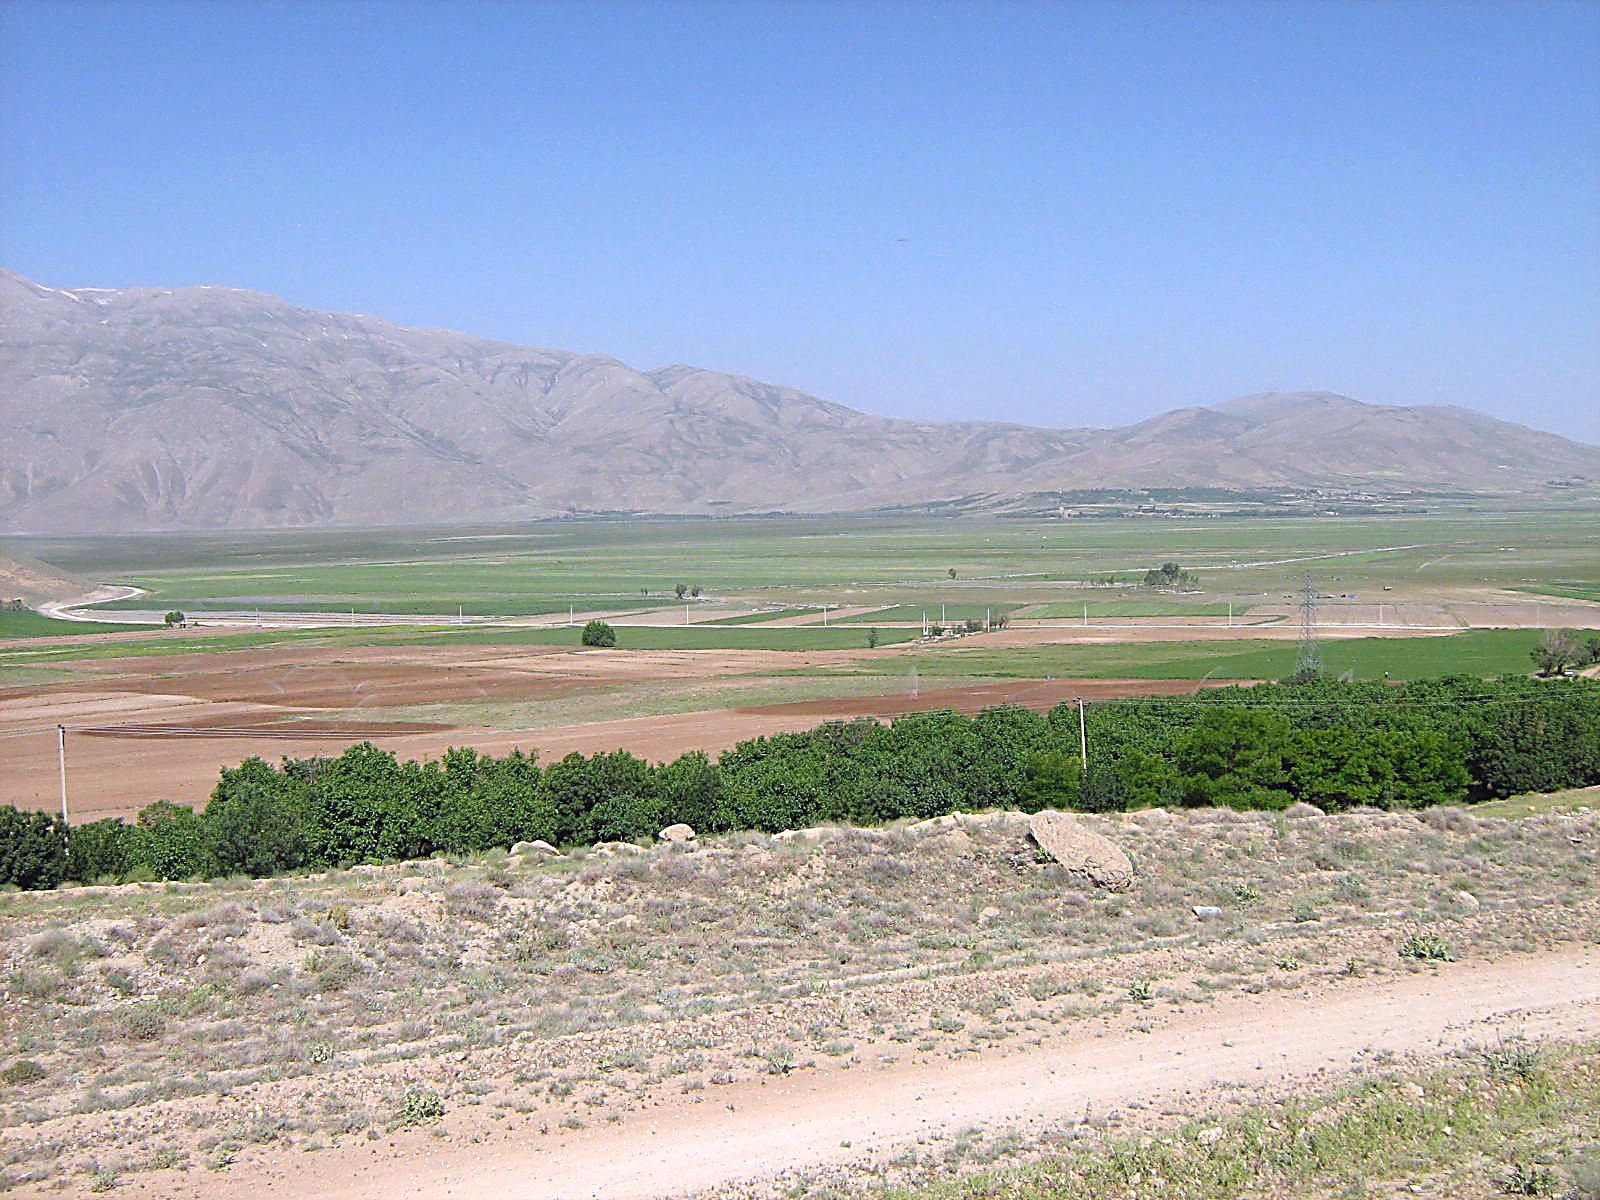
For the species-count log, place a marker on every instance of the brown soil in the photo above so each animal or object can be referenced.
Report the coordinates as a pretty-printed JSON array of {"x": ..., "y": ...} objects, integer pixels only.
[{"x": 270, "y": 710}]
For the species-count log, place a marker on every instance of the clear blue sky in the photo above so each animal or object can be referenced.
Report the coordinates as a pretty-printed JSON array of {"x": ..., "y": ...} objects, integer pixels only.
[{"x": 1056, "y": 213}]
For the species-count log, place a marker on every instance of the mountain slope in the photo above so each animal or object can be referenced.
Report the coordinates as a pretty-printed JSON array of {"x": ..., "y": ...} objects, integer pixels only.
[{"x": 217, "y": 407}]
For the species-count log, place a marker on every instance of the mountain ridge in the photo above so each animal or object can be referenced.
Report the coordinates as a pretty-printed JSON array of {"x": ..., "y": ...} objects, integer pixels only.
[{"x": 212, "y": 407}]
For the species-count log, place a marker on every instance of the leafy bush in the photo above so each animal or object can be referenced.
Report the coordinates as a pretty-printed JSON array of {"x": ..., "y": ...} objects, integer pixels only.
[
  {"x": 418, "y": 1107},
  {"x": 598, "y": 633},
  {"x": 1426, "y": 947}
]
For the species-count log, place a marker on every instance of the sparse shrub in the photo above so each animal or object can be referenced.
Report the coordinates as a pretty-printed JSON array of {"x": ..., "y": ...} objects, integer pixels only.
[
  {"x": 472, "y": 899},
  {"x": 1528, "y": 1179},
  {"x": 21, "y": 1073},
  {"x": 418, "y": 1107},
  {"x": 1426, "y": 947},
  {"x": 1141, "y": 990},
  {"x": 1517, "y": 1063},
  {"x": 143, "y": 1024}
]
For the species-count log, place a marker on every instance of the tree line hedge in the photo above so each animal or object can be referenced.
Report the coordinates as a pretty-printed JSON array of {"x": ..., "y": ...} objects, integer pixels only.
[{"x": 1335, "y": 745}]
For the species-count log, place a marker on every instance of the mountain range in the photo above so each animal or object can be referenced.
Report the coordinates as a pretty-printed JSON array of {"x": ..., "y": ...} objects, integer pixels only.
[{"x": 213, "y": 407}]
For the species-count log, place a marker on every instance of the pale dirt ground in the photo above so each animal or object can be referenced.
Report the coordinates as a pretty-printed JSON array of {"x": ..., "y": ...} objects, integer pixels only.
[
  {"x": 758, "y": 1130},
  {"x": 685, "y": 1019}
]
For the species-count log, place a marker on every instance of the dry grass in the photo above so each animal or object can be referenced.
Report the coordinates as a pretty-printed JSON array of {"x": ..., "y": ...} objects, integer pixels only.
[{"x": 190, "y": 1025}]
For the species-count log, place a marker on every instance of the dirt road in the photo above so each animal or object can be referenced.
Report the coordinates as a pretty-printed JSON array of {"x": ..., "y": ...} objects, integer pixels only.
[{"x": 814, "y": 1120}]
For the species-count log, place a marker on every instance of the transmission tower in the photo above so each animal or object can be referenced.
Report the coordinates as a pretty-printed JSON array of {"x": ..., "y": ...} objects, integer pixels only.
[{"x": 1309, "y": 662}]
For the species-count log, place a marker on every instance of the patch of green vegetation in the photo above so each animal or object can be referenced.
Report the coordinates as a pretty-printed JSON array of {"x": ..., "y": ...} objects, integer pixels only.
[
  {"x": 28, "y": 624},
  {"x": 1127, "y": 608},
  {"x": 1477, "y": 652},
  {"x": 1540, "y": 804},
  {"x": 762, "y": 617},
  {"x": 935, "y": 611},
  {"x": 1564, "y": 589},
  {"x": 900, "y": 561},
  {"x": 1477, "y": 1130},
  {"x": 678, "y": 637}
]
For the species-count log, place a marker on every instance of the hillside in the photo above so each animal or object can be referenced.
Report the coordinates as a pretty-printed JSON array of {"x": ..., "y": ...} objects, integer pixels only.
[{"x": 212, "y": 407}]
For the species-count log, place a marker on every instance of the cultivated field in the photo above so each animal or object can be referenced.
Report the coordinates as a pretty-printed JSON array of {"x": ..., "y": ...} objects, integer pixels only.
[
  {"x": 1402, "y": 597},
  {"x": 936, "y": 1008}
]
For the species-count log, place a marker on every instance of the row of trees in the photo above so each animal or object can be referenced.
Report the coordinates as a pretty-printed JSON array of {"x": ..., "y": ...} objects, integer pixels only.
[{"x": 1332, "y": 744}]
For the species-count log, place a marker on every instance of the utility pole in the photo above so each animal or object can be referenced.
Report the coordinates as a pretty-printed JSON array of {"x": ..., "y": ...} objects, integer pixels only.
[
  {"x": 1230, "y": 614},
  {"x": 61, "y": 753},
  {"x": 1086, "y": 614},
  {"x": 1309, "y": 661},
  {"x": 914, "y": 691},
  {"x": 1083, "y": 735},
  {"x": 570, "y": 620}
]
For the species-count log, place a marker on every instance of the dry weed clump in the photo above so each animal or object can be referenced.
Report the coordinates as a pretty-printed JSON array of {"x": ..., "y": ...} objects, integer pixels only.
[{"x": 530, "y": 996}]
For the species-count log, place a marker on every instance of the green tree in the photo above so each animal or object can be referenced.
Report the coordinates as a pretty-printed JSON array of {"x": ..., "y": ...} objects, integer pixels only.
[
  {"x": 33, "y": 849},
  {"x": 1558, "y": 649},
  {"x": 690, "y": 788},
  {"x": 572, "y": 788},
  {"x": 99, "y": 851},
  {"x": 253, "y": 821},
  {"x": 598, "y": 633},
  {"x": 1050, "y": 779},
  {"x": 681, "y": 590},
  {"x": 169, "y": 842},
  {"x": 1234, "y": 758},
  {"x": 872, "y": 639},
  {"x": 628, "y": 818},
  {"x": 175, "y": 617}
]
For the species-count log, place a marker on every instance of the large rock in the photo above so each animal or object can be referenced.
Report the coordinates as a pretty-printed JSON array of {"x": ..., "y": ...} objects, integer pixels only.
[
  {"x": 613, "y": 849},
  {"x": 538, "y": 849},
  {"x": 1082, "y": 851},
  {"x": 677, "y": 833}
]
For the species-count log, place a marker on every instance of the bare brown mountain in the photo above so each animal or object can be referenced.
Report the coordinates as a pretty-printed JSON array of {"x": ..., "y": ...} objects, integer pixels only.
[{"x": 217, "y": 407}]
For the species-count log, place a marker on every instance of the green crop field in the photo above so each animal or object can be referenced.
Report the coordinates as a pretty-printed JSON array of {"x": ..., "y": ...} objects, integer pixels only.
[
  {"x": 1153, "y": 607},
  {"x": 761, "y": 618},
  {"x": 934, "y": 611},
  {"x": 792, "y": 561},
  {"x": 29, "y": 624},
  {"x": 677, "y": 637},
  {"x": 1479, "y": 652},
  {"x": 633, "y": 637},
  {"x": 1564, "y": 590}
]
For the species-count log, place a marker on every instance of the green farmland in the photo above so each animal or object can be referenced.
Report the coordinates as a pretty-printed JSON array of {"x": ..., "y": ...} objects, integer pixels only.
[{"x": 794, "y": 562}]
